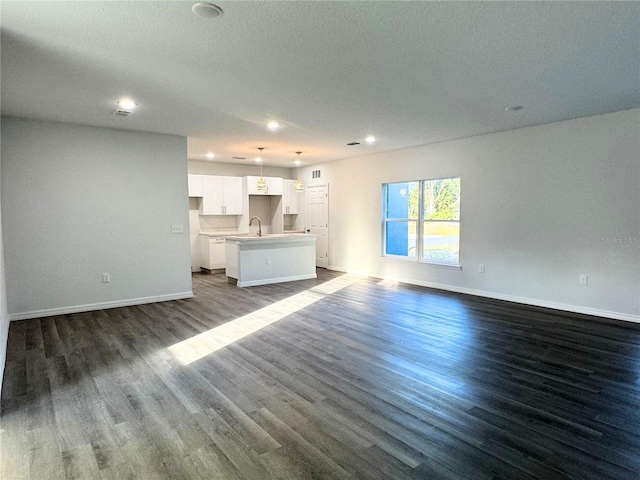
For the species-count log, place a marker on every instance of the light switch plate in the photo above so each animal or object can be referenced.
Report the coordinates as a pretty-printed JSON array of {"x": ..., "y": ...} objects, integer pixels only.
[{"x": 176, "y": 229}]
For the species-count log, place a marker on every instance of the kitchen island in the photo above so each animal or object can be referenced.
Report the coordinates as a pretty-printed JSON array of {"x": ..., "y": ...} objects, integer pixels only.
[{"x": 261, "y": 260}]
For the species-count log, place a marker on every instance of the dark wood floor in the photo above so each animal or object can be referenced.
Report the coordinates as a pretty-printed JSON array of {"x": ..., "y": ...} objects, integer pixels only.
[{"x": 372, "y": 381}]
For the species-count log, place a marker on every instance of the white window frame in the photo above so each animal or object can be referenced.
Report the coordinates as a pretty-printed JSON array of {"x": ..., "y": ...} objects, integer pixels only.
[{"x": 420, "y": 221}]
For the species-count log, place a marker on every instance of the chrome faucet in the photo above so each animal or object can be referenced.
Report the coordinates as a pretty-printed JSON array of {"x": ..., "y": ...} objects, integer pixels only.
[{"x": 259, "y": 225}]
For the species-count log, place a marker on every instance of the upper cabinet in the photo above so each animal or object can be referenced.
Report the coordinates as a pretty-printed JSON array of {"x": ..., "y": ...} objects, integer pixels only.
[
  {"x": 290, "y": 202},
  {"x": 221, "y": 195},
  {"x": 275, "y": 186},
  {"x": 195, "y": 185}
]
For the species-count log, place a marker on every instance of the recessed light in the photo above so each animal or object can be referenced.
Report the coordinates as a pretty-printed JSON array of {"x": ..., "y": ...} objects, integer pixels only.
[
  {"x": 211, "y": 155},
  {"x": 127, "y": 104},
  {"x": 207, "y": 10},
  {"x": 515, "y": 108},
  {"x": 273, "y": 125},
  {"x": 370, "y": 139},
  {"x": 297, "y": 162},
  {"x": 258, "y": 159},
  {"x": 124, "y": 107}
]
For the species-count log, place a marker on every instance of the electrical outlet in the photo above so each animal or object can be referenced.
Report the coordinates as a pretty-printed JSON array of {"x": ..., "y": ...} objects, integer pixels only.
[
  {"x": 176, "y": 229},
  {"x": 481, "y": 268},
  {"x": 268, "y": 260},
  {"x": 106, "y": 278},
  {"x": 583, "y": 279}
]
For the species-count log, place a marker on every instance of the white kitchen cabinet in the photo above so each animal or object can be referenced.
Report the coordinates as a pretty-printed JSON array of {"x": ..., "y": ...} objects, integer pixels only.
[
  {"x": 221, "y": 195},
  {"x": 212, "y": 252},
  {"x": 275, "y": 186},
  {"x": 195, "y": 185},
  {"x": 290, "y": 198},
  {"x": 232, "y": 195}
]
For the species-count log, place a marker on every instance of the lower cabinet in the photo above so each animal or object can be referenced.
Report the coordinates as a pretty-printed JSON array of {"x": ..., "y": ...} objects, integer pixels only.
[{"x": 212, "y": 252}]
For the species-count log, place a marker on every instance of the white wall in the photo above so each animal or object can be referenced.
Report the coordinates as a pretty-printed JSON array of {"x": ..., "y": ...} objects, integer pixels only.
[
  {"x": 538, "y": 205},
  {"x": 79, "y": 201},
  {"x": 4, "y": 312}
]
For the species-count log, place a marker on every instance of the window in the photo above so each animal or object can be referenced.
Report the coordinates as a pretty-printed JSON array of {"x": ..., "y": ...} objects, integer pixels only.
[{"x": 421, "y": 220}]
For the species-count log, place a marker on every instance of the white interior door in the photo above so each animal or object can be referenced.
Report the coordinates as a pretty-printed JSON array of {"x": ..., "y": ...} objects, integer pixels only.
[{"x": 318, "y": 221}]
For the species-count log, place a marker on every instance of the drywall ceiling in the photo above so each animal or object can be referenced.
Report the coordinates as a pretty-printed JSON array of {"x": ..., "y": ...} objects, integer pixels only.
[{"x": 409, "y": 73}]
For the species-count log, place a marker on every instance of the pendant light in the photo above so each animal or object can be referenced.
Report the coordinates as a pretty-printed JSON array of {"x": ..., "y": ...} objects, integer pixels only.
[
  {"x": 262, "y": 185},
  {"x": 298, "y": 186}
]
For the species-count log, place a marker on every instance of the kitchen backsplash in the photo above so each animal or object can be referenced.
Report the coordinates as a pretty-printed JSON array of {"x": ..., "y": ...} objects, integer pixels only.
[{"x": 229, "y": 222}]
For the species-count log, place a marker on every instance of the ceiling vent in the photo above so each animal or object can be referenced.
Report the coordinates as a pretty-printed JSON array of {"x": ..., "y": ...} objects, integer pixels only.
[
  {"x": 121, "y": 112},
  {"x": 353, "y": 143},
  {"x": 239, "y": 158}
]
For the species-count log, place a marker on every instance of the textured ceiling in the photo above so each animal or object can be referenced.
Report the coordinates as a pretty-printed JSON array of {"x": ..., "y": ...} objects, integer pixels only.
[{"x": 409, "y": 73}]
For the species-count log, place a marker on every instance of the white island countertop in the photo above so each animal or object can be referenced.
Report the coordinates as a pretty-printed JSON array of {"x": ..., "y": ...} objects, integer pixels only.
[
  {"x": 219, "y": 233},
  {"x": 283, "y": 257}
]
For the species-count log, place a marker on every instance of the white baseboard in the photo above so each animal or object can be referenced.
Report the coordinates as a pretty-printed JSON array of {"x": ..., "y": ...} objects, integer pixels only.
[
  {"x": 337, "y": 269},
  {"x": 98, "y": 306},
  {"x": 516, "y": 299}
]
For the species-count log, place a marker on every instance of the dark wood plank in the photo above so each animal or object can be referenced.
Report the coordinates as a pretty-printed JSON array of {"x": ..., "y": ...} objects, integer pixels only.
[{"x": 302, "y": 456}]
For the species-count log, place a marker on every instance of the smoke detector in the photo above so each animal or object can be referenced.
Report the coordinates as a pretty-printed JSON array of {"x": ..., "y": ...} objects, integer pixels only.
[{"x": 206, "y": 10}]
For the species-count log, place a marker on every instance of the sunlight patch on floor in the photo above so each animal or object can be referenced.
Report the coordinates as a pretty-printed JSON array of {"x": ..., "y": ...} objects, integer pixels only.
[{"x": 205, "y": 343}]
